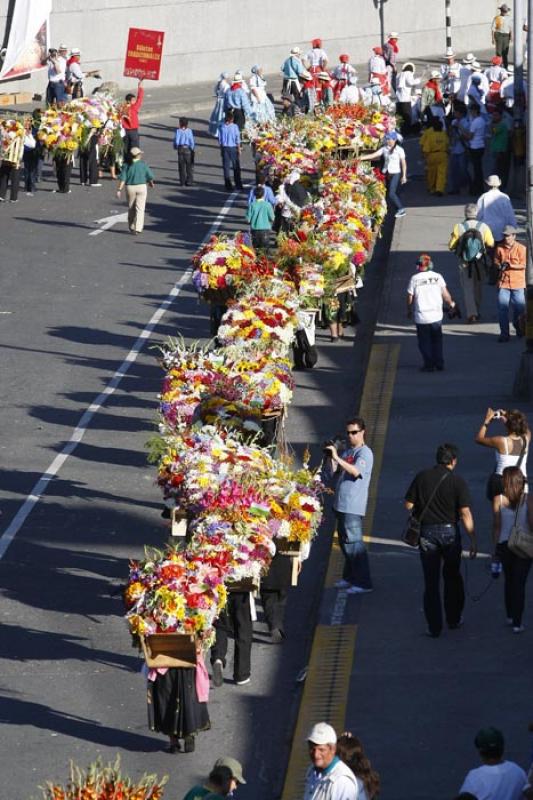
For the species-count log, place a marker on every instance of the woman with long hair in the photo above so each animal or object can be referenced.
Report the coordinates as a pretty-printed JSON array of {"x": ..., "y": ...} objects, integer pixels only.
[
  {"x": 513, "y": 507},
  {"x": 511, "y": 449},
  {"x": 350, "y": 750}
]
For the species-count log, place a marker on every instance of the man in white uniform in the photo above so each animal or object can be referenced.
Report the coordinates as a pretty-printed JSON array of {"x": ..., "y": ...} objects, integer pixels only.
[{"x": 425, "y": 295}]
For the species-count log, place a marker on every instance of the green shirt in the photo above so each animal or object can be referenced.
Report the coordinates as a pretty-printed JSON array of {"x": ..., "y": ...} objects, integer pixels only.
[
  {"x": 196, "y": 793},
  {"x": 135, "y": 173},
  {"x": 499, "y": 142},
  {"x": 260, "y": 215}
]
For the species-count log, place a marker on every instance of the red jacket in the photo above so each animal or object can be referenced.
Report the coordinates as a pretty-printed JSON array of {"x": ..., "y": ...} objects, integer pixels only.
[{"x": 130, "y": 120}]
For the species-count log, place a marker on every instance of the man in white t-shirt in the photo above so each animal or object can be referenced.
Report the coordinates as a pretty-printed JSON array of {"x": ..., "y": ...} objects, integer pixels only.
[
  {"x": 496, "y": 779},
  {"x": 426, "y": 293}
]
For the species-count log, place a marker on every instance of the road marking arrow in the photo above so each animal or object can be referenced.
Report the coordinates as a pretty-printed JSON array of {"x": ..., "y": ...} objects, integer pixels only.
[{"x": 108, "y": 222}]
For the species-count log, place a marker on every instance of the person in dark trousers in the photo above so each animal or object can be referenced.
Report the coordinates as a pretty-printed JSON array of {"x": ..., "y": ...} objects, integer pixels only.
[
  {"x": 229, "y": 137},
  {"x": 236, "y": 618},
  {"x": 30, "y": 157},
  {"x": 440, "y": 499},
  {"x": 130, "y": 120},
  {"x": 274, "y": 592},
  {"x": 184, "y": 144},
  {"x": 9, "y": 176},
  {"x": 260, "y": 215},
  {"x": 89, "y": 160}
]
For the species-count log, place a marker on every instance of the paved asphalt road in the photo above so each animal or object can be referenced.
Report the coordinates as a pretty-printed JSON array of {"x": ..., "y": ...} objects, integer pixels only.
[{"x": 71, "y": 307}]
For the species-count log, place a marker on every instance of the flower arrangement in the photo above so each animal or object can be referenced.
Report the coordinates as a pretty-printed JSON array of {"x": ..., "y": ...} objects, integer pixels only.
[
  {"x": 221, "y": 265},
  {"x": 174, "y": 592},
  {"x": 105, "y": 782},
  {"x": 11, "y": 139},
  {"x": 60, "y": 132},
  {"x": 98, "y": 113}
]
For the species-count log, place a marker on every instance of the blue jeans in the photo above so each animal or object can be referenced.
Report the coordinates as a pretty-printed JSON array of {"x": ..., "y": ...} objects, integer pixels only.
[
  {"x": 356, "y": 567},
  {"x": 458, "y": 172},
  {"x": 510, "y": 297},
  {"x": 393, "y": 186},
  {"x": 430, "y": 344},
  {"x": 231, "y": 162}
]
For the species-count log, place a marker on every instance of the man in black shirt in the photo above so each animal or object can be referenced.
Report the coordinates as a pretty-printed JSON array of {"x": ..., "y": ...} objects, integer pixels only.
[{"x": 440, "y": 500}]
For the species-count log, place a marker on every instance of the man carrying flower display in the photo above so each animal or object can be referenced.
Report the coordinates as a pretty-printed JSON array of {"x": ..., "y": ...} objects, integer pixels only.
[
  {"x": 353, "y": 470},
  {"x": 236, "y": 619}
]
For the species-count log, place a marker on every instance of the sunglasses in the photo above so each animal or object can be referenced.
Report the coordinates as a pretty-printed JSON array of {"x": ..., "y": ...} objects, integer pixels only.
[{"x": 353, "y": 432}]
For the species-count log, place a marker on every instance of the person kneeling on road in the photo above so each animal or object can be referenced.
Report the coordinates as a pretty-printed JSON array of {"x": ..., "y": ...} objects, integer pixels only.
[{"x": 439, "y": 499}]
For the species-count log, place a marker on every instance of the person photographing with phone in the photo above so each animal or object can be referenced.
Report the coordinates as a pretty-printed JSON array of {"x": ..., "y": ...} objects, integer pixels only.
[{"x": 511, "y": 449}]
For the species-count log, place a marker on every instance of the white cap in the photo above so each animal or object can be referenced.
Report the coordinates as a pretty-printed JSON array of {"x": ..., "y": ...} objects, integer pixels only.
[
  {"x": 322, "y": 733},
  {"x": 295, "y": 51},
  {"x": 75, "y": 51},
  {"x": 393, "y": 35},
  {"x": 435, "y": 74}
]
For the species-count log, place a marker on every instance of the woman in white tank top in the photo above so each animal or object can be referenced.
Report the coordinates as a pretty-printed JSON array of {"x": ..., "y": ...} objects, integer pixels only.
[
  {"x": 511, "y": 449},
  {"x": 512, "y": 507}
]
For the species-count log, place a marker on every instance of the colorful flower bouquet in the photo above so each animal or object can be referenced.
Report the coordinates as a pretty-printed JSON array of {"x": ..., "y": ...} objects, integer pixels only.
[
  {"x": 174, "y": 592},
  {"x": 99, "y": 782},
  {"x": 98, "y": 112},
  {"x": 11, "y": 140},
  {"x": 60, "y": 132},
  {"x": 222, "y": 265}
]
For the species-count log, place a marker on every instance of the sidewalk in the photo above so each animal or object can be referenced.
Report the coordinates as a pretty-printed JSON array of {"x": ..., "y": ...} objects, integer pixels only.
[{"x": 417, "y": 702}]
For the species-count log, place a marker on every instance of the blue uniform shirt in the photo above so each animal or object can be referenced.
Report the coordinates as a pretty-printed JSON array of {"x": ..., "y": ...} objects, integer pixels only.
[
  {"x": 268, "y": 196},
  {"x": 229, "y": 135},
  {"x": 237, "y": 98},
  {"x": 351, "y": 494},
  {"x": 184, "y": 137}
]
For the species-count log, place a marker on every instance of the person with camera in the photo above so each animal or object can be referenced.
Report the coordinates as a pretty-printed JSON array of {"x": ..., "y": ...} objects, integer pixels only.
[
  {"x": 440, "y": 499},
  {"x": 57, "y": 67},
  {"x": 511, "y": 449},
  {"x": 425, "y": 295},
  {"x": 470, "y": 241},
  {"x": 510, "y": 257},
  {"x": 513, "y": 507},
  {"x": 353, "y": 469}
]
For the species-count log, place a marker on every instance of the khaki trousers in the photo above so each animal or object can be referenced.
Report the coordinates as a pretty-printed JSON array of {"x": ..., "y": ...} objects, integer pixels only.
[{"x": 136, "y": 204}]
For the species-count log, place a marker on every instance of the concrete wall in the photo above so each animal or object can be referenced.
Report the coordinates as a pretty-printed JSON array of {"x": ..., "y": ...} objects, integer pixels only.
[{"x": 202, "y": 37}]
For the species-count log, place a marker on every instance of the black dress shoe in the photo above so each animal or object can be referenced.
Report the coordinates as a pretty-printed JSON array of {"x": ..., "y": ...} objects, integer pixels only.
[{"x": 188, "y": 744}]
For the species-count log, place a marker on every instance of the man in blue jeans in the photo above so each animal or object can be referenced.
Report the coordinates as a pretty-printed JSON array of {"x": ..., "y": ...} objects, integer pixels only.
[
  {"x": 425, "y": 295},
  {"x": 229, "y": 137},
  {"x": 510, "y": 256},
  {"x": 353, "y": 470}
]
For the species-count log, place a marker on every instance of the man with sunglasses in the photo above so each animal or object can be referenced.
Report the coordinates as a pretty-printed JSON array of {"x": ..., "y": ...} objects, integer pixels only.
[{"x": 353, "y": 470}]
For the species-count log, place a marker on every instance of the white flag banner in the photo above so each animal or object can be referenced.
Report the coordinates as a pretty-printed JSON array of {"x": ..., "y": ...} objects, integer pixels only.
[{"x": 27, "y": 45}]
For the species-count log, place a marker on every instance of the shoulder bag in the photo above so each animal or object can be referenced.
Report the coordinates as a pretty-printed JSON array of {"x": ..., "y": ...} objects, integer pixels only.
[
  {"x": 495, "y": 481},
  {"x": 411, "y": 534},
  {"x": 520, "y": 540}
]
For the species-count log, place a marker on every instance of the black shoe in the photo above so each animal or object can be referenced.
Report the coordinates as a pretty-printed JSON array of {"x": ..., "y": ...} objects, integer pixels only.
[
  {"x": 427, "y": 369},
  {"x": 172, "y": 749},
  {"x": 239, "y": 186},
  {"x": 276, "y": 636},
  {"x": 188, "y": 744},
  {"x": 218, "y": 673},
  {"x": 503, "y": 338},
  {"x": 229, "y": 186},
  {"x": 440, "y": 369},
  {"x": 432, "y": 635},
  {"x": 456, "y": 625}
]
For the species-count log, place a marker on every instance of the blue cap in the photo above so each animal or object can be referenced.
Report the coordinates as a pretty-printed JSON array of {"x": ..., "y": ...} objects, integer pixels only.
[{"x": 391, "y": 136}]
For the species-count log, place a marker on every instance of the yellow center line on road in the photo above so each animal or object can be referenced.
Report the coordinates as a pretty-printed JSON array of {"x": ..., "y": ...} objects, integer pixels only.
[{"x": 327, "y": 684}]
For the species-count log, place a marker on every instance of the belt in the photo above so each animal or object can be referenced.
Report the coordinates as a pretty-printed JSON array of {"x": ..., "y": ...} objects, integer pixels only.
[
  {"x": 183, "y": 147},
  {"x": 439, "y": 525}
]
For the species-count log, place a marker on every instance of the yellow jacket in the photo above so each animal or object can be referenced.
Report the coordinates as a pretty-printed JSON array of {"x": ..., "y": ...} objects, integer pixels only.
[{"x": 459, "y": 229}]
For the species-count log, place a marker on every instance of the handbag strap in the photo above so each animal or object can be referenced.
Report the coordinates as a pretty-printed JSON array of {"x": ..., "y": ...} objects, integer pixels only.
[
  {"x": 432, "y": 495},
  {"x": 522, "y": 452}
]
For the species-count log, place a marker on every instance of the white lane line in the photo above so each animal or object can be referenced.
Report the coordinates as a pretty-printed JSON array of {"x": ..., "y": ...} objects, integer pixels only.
[{"x": 81, "y": 428}]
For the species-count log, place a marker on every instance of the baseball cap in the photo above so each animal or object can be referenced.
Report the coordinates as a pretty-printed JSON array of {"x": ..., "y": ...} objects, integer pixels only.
[
  {"x": 322, "y": 733},
  {"x": 232, "y": 764},
  {"x": 136, "y": 151},
  {"x": 489, "y": 741},
  {"x": 424, "y": 262},
  {"x": 509, "y": 230}
]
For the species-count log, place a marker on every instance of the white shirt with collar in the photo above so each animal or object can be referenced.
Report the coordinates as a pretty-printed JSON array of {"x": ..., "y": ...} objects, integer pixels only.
[
  {"x": 57, "y": 69},
  {"x": 338, "y": 783},
  {"x": 494, "y": 208}
]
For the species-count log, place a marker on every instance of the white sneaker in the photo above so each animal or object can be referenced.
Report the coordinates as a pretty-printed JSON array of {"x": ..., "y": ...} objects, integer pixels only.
[
  {"x": 400, "y": 213},
  {"x": 342, "y": 584},
  {"x": 95, "y": 184},
  {"x": 518, "y": 629},
  {"x": 244, "y": 682},
  {"x": 358, "y": 590}
]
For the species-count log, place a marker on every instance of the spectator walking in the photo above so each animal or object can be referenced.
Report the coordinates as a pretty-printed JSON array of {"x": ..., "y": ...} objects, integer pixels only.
[
  {"x": 495, "y": 209},
  {"x": 434, "y": 145},
  {"x": 470, "y": 240},
  {"x": 458, "y": 163},
  {"x": 511, "y": 448},
  {"x": 502, "y": 32},
  {"x": 500, "y": 146},
  {"x": 353, "y": 470},
  {"x": 404, "y": 94},
  {"x": 513, "y": 507},
  {"x": 425, "y": 295},
  {"x": 184, "y": 144},
  {"x": 260, "y": 215},
  {"x": 440, "y": 499},
  {"x": 350, "y": 750},
  {"x": 229, "y": 137},
  {"x": 136, "y": 176},
  {"x": 510, "y": 257},
  {"x": 496, "y": 779},
  {"x": 236, "y": 618},
  {"x": 328, "y": 778},
  {"x": 130, "y": 120},
  {"x": 223, "y": 780},
  {"x": 475, "y": 137},
  {"x": 395, "y": 168},
  {"x": 217, "y": 115}
]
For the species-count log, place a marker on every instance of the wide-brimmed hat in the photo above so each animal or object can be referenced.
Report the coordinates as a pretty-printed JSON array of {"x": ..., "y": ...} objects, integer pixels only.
[
  {"x": 509, "y": 230},
  {"x": 62, "y": 47},
  {"x": 494, "y": 181},
  {"x": 451, "y": 54},
  {"x": 434, "y": 74},
  {"x": 136, "y": 151},
  {"x": 505, "y": 8},
  {"x": 393, "y": 35},
  {"x": 75, "y": 51},
  {"x": 409, "y": 65},
  {"x": 469, "y": 58},
  {"x": 476, "y": 66},
  {"x": 375, "y": 82},
  {"x": 295, "y": 51},
  {"x": 324, "y": 76}
]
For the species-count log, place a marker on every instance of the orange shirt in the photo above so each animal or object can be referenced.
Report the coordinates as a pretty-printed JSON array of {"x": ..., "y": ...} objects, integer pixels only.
[{"x": 515, "y": 276}]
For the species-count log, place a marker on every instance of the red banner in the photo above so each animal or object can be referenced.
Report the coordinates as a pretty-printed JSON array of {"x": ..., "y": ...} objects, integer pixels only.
[{"x": 143, "y": 55}]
